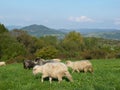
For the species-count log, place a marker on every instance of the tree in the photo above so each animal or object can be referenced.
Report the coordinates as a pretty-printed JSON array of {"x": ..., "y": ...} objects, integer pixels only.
[
  {"x": 90, "y": 43},
  {"x": 9, "y": 47},
  {"x": 72, "y": 44},
  {"x": 47, "y": 52},
  {"x": 72, "y": 40},
  {"x": 3, "y": 29},
  {"x": 49, "y": 40},
  {"x": 25, "y": 39}
]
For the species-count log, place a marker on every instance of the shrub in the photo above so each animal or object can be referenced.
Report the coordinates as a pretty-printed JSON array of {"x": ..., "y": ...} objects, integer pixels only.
[
  {"x": 118, "y": 55},
  {"x": 94, "y": 54},
  {"x": 47, "y": 52}
]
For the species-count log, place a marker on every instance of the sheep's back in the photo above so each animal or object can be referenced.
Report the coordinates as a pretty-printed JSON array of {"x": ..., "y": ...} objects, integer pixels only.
[
  {"x": 81, "y": 64},
  {"x": 54, "y": 69}
]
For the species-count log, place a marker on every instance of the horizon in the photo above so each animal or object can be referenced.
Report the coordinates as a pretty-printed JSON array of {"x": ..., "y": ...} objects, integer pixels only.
[
  {"x": 67, "y": 14},
  {"x": 19, "y": 27}
]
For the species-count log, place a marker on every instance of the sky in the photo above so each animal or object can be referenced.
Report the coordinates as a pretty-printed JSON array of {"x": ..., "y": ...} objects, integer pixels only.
[{"x": 61, "y": 13}]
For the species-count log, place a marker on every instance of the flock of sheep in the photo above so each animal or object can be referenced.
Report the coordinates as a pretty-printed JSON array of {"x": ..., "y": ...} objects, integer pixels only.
[{"x": 55, "y": 68}]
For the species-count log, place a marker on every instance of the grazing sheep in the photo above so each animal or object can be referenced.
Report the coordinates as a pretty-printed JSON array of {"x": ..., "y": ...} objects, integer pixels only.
[
  {"x": 2, "y": 63},
  {"x": 27, "y": 64},
  {"x": 53, "y": 70},
  {"x": 78, "y": 66}
]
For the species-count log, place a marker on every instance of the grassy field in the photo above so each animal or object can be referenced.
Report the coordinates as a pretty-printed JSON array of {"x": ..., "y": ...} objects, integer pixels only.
[{"x": 106, "y": 76}]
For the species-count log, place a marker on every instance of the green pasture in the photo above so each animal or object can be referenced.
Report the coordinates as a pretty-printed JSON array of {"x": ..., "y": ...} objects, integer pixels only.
[{"x": 106, "y": 76}]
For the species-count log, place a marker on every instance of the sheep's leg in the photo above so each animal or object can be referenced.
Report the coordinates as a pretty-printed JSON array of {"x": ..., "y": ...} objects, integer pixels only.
[
  {"x": 59, "y": 79},
  {"x": 42, "y": 79},
  {"x": 85, "y": 70},
  {"x": 50, "y": 79},
  {"x": 77, "y": 70},
  {"x": 43, "y": 76}
]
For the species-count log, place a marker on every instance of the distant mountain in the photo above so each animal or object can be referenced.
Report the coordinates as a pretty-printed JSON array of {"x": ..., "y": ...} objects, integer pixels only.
[
  {"x": 65, "y": 30},
  {"x": 87, "y": 30},
  {"x": 100, "y": 33},
  {"x": 107, "y": 35},
  {"x": 40, "y": 30}
]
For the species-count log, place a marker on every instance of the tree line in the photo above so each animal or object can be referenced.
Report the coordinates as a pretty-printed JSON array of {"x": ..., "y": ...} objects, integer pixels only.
[{"x": 17, "y": 45}]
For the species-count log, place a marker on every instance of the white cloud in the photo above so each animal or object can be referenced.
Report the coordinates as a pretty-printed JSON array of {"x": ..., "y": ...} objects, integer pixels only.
[
  {"x": 80, "y": 19},
  {"x": 117, "y": 21}
]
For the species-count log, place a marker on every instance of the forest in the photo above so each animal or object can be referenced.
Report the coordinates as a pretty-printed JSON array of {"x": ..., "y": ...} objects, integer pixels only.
[{"x": 17, "y": 45}]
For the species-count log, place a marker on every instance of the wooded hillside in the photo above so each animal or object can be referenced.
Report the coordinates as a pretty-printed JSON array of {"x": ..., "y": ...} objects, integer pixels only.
[{"x": 17, "y": 45}]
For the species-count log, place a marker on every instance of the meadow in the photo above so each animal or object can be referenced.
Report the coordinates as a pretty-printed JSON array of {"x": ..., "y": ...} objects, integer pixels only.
[{"x": 106, "y": 76}]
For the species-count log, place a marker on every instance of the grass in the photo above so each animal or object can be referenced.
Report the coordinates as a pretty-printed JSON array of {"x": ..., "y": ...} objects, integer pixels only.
[{"x": 105, "y": 77}]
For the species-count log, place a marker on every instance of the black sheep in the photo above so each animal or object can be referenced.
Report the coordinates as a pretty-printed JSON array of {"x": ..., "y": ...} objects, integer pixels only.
[{"x": 27, "y": 64}]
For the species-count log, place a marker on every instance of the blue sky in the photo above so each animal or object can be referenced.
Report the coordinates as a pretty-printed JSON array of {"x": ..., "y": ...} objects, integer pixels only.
[{"x": 61, "y": 13}]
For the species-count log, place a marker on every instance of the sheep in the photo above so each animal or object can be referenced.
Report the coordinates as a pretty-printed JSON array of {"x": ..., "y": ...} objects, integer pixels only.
[
  {"x": 53, "y": 70},
  {"x": 2, "y": 63},
  {"x": 27, "y": 64},
  {"x": 39, "y": 61},
  {"x": 83, "y": 65}
]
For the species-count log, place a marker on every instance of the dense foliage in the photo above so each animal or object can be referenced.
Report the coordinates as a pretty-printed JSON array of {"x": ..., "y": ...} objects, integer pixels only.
[{"x": 16, "y": 45}]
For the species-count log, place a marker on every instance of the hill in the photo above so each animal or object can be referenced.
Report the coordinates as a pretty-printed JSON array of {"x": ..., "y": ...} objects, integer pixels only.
[
  {"x": 115, "y": 35},
  {"x": 88, "y": 30},
  {"x": 94, "y": 30},
  {"x": 100, "y": 33},
  {"x": 40, "y": 30}
]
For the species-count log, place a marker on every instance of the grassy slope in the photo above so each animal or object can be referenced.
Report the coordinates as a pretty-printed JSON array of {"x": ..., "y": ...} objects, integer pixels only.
[{"x": 105, "y": 77}]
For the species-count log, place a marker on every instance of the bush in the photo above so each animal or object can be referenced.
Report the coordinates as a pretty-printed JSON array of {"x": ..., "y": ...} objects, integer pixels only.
[
  {"x": 86, "y": 55},
  {"x": 47, "y": 52},
  {"x": 118, "y": 55},
  {"x": 17, "y": 59},
  {"x": 94, "y": 54}
]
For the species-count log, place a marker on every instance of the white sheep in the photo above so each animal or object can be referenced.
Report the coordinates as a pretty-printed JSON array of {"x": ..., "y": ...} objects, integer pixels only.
[
  {"x": 53, "y": 70},
  {"x": 2, "y": 63},
  {"x": 83, "y": 65}
]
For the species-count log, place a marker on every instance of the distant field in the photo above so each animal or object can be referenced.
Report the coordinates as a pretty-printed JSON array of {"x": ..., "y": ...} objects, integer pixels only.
[{"x": 106, "y": 76}]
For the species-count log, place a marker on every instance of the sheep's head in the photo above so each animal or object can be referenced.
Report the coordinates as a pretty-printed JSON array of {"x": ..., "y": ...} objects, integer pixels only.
[
  {"x": 69, "y": 63},
  {"x": 37, "y": 69}
]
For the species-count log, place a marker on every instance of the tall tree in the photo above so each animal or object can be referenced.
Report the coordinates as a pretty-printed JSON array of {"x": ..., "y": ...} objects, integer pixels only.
[
  {"x": 10, "y": 47},
  {"x": 73, "y": 40},
  {"x": 3, "y": 29}
]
